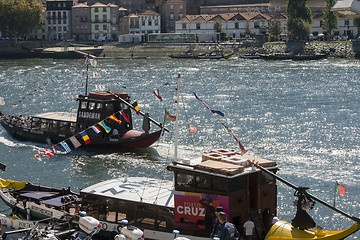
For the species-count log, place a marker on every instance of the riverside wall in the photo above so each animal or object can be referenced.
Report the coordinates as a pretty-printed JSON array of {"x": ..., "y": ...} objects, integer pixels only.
[{"x": 335, "y": 49}]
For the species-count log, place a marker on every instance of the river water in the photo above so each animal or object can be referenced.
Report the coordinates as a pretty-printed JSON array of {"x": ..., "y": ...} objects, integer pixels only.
[{"x": 304, "y": 115}]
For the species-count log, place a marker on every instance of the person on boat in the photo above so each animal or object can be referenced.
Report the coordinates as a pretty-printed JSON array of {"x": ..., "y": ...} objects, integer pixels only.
[
  {"x": 249, "y": 227},
  {"x": 209, "y": 214},
  {"x": 217, "y": 224},
  {"x": 228, "y": 230}
]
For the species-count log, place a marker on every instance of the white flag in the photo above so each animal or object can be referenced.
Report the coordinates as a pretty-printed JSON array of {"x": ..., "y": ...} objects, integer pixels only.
[
  {"x": 96, "y": 75},
  {"x": 2, "y": 102}
]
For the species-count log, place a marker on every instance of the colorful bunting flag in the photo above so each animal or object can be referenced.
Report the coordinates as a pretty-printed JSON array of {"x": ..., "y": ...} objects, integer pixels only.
[
  {"x": 156, "y": 92},
  {"x": 192, "y": 129},
  {"x": 47, "y": 152},
  {"x": 106, "y": 128},
  {"x": 340, "y": 189},
  {"x": 75, "y": 142},
  {"x": 85, "y": 137},
  {"x": 65, "y": 146},
  {"x": 240, "y": 145},
  {"x": 112, "y": 117},
  {"x": 136, "y": 107},
  {"x": 38, "y": 157},
  {"x": 2, "y": 102},
  {"x": 125, "y": 117},
  {"x": 96, "y": 129},
  {"x": 96, "y": 75},
  {"x": 54, "y": 149},
  {"x": 169, "y": 117},
  {"x": 213, "y": 111}
]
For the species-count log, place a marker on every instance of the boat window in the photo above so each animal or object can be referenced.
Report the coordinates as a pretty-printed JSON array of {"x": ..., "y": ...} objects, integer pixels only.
[
  {"x": 44, "y": 125},
  {"x": 54, "y": 125},
  {"x": 266, "y": 179},
  {"x": 72, "y": 127},
  {"x": 109, "y": 107},
  {"x": 202, "y": 182},
  {"x": 183, "y": 179},
  {"x": 64, "y": 126},
  {"x": 91, "y": 105},
  {"x": 83, "y": 105},
  {"x": 239, "y": 183},
  {"x": 219, "y": 184},
  {"x": 99, "y": 106}
]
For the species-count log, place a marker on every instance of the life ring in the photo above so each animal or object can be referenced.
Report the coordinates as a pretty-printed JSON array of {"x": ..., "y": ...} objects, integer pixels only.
[
  {"x": 118, "y": 228},
  {"x": 104, "y": 226}
]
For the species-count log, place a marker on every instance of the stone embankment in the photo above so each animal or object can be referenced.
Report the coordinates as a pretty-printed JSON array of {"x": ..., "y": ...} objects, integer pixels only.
[{"x": 335, "y": 49}]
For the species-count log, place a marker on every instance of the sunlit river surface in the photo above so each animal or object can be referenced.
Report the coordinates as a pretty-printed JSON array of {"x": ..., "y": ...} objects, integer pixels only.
[{"x": 303, "y": 115}]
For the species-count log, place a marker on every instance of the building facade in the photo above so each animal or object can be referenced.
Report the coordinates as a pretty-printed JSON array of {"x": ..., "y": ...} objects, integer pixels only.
[
  {"x": 100, "y": 22},
  {"x": 172, "y": 11},
  {"x": 58, "y": 19},
  {"x": 81, "y": 22}
]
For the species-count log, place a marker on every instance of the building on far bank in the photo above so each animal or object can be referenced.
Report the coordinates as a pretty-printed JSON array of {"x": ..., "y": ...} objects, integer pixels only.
[
  {"x": 81, "y": 22},
  {"x": 58, "y": 19},
  {"x": 101, "y": 21},
  {"x": 172, "y": 11}
]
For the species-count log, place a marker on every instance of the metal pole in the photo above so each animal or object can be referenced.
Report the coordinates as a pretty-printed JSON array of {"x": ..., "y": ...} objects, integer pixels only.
[{"x": 177, "y": 118}]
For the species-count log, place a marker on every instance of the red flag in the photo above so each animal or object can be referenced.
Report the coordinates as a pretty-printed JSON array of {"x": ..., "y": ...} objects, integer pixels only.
[
  {"x": 112, "y": 117},
  {"x": 156, "y": 92},
  {"x": 169, "y": 117},
  {"x": 340, "y": 189},
  {"x": 47, "y": 152},
  {"x": 38, "y": 157},
  {"x": 125, "y": 117},
  {"x": 192, "y": 129}
]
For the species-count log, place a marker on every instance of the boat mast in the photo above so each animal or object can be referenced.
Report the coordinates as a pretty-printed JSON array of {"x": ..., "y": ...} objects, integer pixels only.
[
  {"x": 177, "y": 118},
  {"x": 87, "y": 72}
]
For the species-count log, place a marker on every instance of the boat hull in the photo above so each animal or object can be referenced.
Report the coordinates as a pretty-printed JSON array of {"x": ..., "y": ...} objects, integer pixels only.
[
  {"x": 134, "y": 141},
  {"x": 285, "y": 231}
]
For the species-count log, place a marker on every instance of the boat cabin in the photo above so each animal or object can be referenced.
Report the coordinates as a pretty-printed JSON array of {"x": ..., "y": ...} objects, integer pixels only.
[
  {"x": 223, "y": 178},
  {"x": 97, "y": 106}
]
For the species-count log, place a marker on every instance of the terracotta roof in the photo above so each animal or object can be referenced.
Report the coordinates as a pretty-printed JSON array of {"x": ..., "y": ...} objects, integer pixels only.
[
  {"x": 122, "y": 9},
  {"x": 112, "y": 5},
  {"x": 149, "y": 13},
  {"x": 133, "y": 15},
  {"x": 98, "y": 5},
  {"x": 224, "y": 17}
]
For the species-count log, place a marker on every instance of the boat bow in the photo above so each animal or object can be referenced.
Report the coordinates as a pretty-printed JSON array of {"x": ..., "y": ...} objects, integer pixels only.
[{"x": 283, "y": 230}]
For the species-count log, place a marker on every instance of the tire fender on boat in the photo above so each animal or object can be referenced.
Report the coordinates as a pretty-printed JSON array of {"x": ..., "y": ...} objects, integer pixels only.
[
  {"x": 118, "y": 228},
  {"x": 104, "y": 226}
]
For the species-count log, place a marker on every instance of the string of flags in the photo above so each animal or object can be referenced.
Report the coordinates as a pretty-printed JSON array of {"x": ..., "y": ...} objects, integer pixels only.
[
  {"x": 83, "y": 138},
  {"x": 229, "y": 130},
  {"x": 211, "y": 110},
  {"x": 156, "y": 92}
]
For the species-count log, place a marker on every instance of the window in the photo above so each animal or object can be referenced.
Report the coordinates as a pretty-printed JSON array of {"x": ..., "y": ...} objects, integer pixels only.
[
  {"x": 171, "y": 6},
  {"x": 91, "y": 105},
  {"x": 198, "y": 26},
  {"x": 184, "y": 26},
  {"x": 64, "y": 28},
  {"x": 181, "y": 6},
  {"x": 59, "y": 14},
  {"x": 96, "y": 9},
  {"x": 202, "y": 182},
  {"x": 181, "y": 15},
  {"x": 104, "y": 18},
  {"x": 104, "y": 9},
  {"x": 149, "y": 22},
  {"x": 237, "y": 25},
  {"x": 104, "y": 27},
  {"x": 184, "y": 180},
  {"x": 83, "y": 105},
  {"x": 171, "y": 16},
  {"x": 59, "y": 28},
  {"x": 156, "y": 22},
  {"x": 143, "y": 22},
  {"x": 96, "y": 27}
]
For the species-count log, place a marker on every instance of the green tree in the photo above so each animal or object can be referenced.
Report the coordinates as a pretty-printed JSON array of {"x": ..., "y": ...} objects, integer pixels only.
[
  {"x": 217, "y": 27},
  {"x": 19, "y": 17},
  {"x": 299, "y": 18},
  {"x": 357, "y": 23},
  {"x": 247, "y": 30},
  {"x": 275, "y": 28},
  {"x": 330, "y": 22}
]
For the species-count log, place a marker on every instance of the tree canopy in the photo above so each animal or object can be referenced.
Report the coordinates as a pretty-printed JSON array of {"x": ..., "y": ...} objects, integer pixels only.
[
  {"x": 330, "y": 22},
  {"x": 299, "y": 18},
  {"x": 18, "y": 17}
]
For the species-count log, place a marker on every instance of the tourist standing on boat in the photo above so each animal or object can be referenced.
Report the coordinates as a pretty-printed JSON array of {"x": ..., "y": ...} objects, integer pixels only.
[
  {"x": 217, "y": 224},
  {"x": 249, "y": 227},
  {"x": 228, "y": 230},
  {"x": 209, "y": 214}
]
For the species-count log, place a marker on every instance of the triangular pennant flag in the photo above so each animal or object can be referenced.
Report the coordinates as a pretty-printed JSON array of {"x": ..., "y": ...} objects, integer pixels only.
[
  {"x": 156, "y": 92},
  {"x": 38, "y": 157},
  {"x": 85, "y": 137},
  {"x": 47, "y": 152},
  {"x": 136, "y": 107},
  {"x": 169, "y": 117},
  {"x": 213, "y": 111},
  {"x": 112, "y": 117},
  {"x": 192, "y": 129},
  {"x": 240, "y": 145},
  {"x": 106, "y": 128},
  {"x": 340, "y": 189},
  {"x": 75, "y": 142},
  {"x": 125, "y": 117},
  {"x": 65, "y": 146},
  {"x": 96, "y": 129}
]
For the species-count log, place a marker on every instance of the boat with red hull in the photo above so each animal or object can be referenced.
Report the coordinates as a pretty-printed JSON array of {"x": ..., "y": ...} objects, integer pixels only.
[{"x": 93, "y": 108}]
